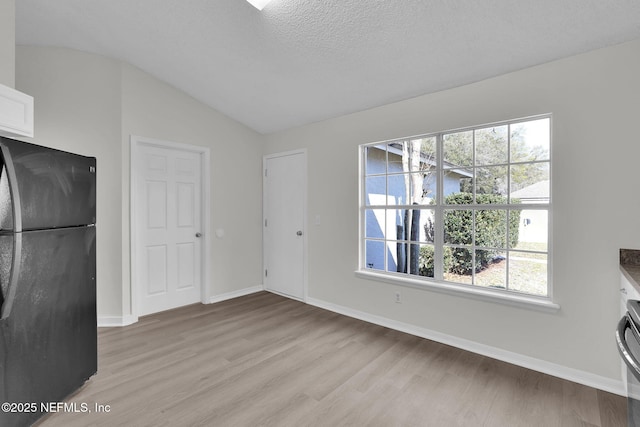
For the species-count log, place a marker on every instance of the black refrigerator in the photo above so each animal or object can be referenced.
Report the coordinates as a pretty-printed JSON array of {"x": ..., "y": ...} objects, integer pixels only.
[{"x": 48, "y": 330}]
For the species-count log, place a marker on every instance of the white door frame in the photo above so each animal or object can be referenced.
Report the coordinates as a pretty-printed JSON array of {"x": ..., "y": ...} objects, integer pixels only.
[
  {"x": 205, "y": 156},
  {"x": 305, "y": 227}
]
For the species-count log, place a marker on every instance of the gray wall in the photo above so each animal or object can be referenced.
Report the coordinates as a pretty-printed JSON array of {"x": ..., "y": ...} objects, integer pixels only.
[
  {"x": 91, "y": 105},
  {"x": 77, "y": 109},
  {"x": 7, "y": 42},
  {"x": 154, "y": 109},
  {"x": 593, "y": 98}
]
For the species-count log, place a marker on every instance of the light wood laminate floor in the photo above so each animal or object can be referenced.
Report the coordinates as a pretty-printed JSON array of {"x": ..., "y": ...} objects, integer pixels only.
[{"x": 264, "y": 360}]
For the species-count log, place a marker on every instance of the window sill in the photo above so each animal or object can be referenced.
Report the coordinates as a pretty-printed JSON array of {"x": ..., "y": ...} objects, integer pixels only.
[{"x": 515, "y": 300}]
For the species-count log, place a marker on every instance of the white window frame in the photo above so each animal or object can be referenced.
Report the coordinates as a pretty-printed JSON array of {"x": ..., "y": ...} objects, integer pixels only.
[{"x": 543, "y": 303}]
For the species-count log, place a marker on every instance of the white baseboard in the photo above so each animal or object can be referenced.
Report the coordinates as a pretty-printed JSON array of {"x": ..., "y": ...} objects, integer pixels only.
[
  {"x": 116, "y": 321},
  {"x": 235, "y": 294},
  {"x": 560, "y": 371},
  {"x": 119, "y": 321}
]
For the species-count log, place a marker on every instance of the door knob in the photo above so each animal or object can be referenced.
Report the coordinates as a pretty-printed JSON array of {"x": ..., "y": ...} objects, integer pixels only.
[
  {"x": 299, "y": 233},
  {"x": 198, "y": 235}
]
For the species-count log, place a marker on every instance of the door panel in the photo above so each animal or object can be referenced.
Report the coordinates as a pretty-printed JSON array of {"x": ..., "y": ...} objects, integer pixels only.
[
  {"x": 185, "y": 204},
  {"x": 167, "y": 221},
  {"x": 156, "y": 264},
  {"x": 284, "y": 236},
  {"x": 186, "y": 268},
  {"x": 157, "y": 204}
]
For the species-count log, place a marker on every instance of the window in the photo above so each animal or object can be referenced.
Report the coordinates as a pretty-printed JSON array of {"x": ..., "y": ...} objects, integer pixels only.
[{"x": 467, "y": 207}]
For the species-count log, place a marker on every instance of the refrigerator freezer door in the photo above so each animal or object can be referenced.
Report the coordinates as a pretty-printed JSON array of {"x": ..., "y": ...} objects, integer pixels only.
[
  {"x": 56, "y": 189},
  {"x": 49, "y": 340}
]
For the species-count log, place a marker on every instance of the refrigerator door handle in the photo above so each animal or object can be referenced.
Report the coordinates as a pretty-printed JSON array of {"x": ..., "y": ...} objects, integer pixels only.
[
  {"x": 13, "y": 188},
  {"x": 14, "y": 277},
  {"x": 17, "y": 235}
]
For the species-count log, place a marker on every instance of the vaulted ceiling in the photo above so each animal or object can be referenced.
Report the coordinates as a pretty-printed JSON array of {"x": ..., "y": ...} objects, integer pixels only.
[{"x": 301, "y": 61}]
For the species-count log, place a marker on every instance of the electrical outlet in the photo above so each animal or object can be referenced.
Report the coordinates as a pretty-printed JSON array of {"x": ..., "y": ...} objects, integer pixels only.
[{"x": 398, "y": 298}]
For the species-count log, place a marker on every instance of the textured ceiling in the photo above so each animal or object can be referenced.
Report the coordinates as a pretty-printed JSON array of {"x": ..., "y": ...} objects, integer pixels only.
[{"x": 302, "y": 61}]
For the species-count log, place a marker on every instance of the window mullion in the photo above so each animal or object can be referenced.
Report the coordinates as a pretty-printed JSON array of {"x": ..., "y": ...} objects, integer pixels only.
[
  {"x": 507, "y": 249},
  {"x": 385, "y": 260},
  {"x": 473, "y": 210},
  {"x": 507, "y": 252},
  {"x": 438, "y": 235}
]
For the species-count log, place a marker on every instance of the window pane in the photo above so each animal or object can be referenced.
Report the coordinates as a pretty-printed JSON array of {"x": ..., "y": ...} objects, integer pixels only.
[
  {"x": 375, "y": 188},
  {"x": 395, "y": 224},
  {"x": 533, "y": 229},
  {"x": 530, "y": 182},
  {"x": 458, "y": 227},
  {"x": 458, "y": 149},
  {"x": 530, "y": 140},
  {"x": 411, "y": 224},
  {"x": 423, "y": 187},
  {"x": 458, "y": 266},
  {"x": 492, "y": 270},
  {"x": 528, "y": 273},
  {"x": 374, "y": 254},
  {"x": 412, "y": 188},
  {"x": 427, "y": 225},
  {"x": 491, "y": 182},
  {"x": 396, "y": 258},
  {"x": 398, "y": 190},
  {"x": 491, "y": 146},
  {"x": 375, "y": 160},
  {"x": 374, "y": 221},
  {"x": 396, "y": 155},
  {"x": 491, "y": 229},
  {"x": 417, "y": 155},
  {"x": 425, "y": 148},
  {"x": 399, "y": 251},
  {"x": 457, "y": 180},
  {"x": 426, "y": 261},
  {"x": 405, "y": 258}
]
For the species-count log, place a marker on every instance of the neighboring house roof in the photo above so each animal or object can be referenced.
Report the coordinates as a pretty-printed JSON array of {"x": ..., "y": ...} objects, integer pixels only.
[{"x": 538, "y": 192}]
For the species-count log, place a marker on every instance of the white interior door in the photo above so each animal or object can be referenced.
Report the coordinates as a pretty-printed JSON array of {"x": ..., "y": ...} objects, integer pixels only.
[
  {"x": 284, "y": 227},
  {"x": 168, "y": 228}
]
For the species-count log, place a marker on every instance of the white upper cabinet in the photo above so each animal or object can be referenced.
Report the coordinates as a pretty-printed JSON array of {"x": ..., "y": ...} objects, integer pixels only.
[{"x": 16, "y": 113}]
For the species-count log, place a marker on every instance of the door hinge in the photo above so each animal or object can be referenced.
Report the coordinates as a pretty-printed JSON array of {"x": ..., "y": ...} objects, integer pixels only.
[
  {"x": 265, "y": 172},
  {"x": 265, "y": 222},
  {"x": 266, "y": 273}
]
